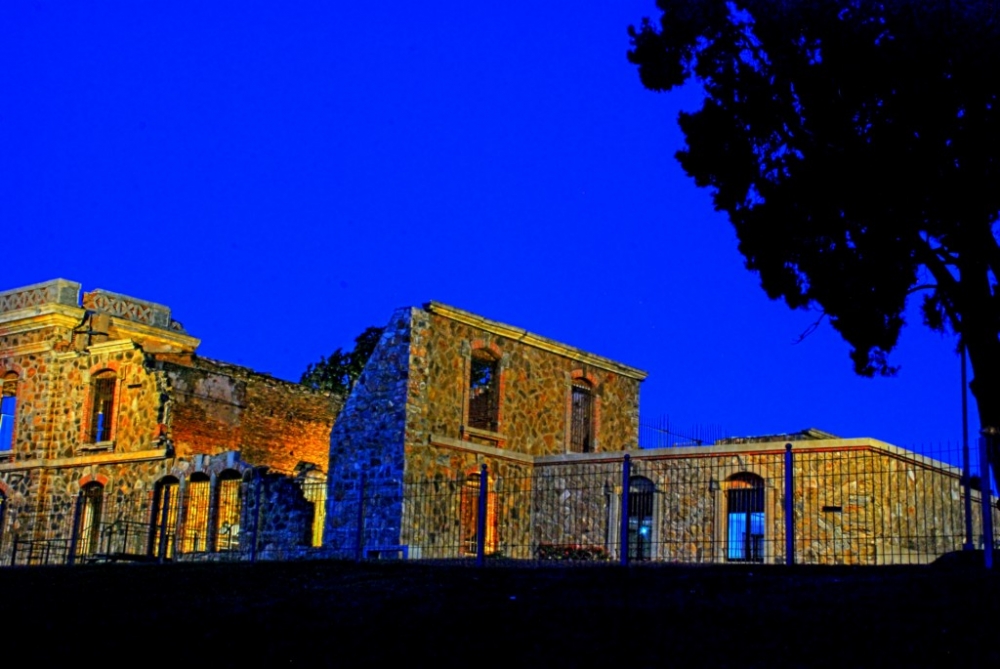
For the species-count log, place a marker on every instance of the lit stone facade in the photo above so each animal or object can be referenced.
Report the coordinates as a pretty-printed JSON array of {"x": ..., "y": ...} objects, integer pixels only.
[
  {"x": 109, "y": 392},
  {"x": 410, "y": 420},
  {"x": 411, "y": 442}
]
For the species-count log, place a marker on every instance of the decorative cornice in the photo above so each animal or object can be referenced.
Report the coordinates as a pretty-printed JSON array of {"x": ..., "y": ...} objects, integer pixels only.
[
  {"x": 26, "y": 349},
  {"x": 150, "y": 335},
  {"x": 56, "y": 291},
  {"x": 537, "y": 341},
  {"x": 113, "y": 346},
  {"x": 36, "y": 318}
]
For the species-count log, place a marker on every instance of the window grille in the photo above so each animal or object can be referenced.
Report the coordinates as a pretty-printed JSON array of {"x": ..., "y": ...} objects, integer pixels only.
[
  {"x": 484, "y": 392},
  {"x": 640, "y": 518},
  {"x": 103, "y": 409},
  {"x": 745, "y": 516},
  {"x": 89, "y": 531},
  {"x": 195, "y": 539},
  {"x": 582, "y": 419},
  {"x": 164, "y": 517},
  {"x": 227, "y": 519}
]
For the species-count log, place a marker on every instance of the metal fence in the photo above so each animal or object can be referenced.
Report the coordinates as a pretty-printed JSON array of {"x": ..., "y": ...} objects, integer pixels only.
[{"x": 855, "y": 504}]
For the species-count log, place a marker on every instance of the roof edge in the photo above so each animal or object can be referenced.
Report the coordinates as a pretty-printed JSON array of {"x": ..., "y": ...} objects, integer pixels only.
[{"x": 537, "y": 341}]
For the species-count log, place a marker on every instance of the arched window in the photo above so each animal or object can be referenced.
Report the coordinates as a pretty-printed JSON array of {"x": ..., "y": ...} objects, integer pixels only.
[
  {"x": 581, "y": 438},
  {"x": 745, "y": 518},
  {"x": 8, "y": 410},
  {"x": 196, "y": 512},
  {"x": 484, "y": 391},
  {"x": 164, "y": 517},
  {"x": 227, "y": 513},
  {"x": 469, "y": 517},
  {"x": 640, "y": 518},
  {"x": 89, "y": 527},
  {"x": 102, "y": 406}
]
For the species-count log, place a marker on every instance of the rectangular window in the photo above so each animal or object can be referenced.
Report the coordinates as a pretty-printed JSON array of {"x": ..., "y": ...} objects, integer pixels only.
[
  {"x": 103, "y": 409},
  {"x": 746, "y": 537},
  {"x": 581, "y": 422},
  {"x": 8, "y": 404},
  {"x": 484, "y": 393}
]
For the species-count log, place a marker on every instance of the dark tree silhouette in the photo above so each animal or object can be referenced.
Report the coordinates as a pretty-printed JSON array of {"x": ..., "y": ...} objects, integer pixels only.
[
  {"x": 339, "y": 372},
  {"x": 855, "y": 146}
]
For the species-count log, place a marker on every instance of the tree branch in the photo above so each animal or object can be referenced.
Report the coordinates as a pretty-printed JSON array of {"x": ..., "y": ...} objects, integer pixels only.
[{"x": 809, "y": 330}]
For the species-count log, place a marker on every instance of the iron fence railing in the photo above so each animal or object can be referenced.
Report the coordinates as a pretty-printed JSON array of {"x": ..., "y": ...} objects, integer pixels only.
[{"x": 856, "y": 504}]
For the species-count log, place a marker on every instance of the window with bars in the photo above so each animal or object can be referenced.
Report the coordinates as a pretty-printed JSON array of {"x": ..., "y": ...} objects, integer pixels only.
[
  {"x": 196, "y": 512},
  {"x": 227, "y": 512},
  {"x": 163, "y": 515},
  {"x": 745, "y": 519},
  {"x": 89, "y": 528},
  {"x": 581, "y": 419},
  {"x": 103, "y": 406},
  {"x": 640, "y": 518},
  {"x": 8, "y": 411},
  {"x": 484, "y": 391}
]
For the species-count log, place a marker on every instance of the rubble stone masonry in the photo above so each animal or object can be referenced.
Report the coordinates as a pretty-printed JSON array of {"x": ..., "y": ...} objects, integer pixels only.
[{"x": 173, "y": 413}]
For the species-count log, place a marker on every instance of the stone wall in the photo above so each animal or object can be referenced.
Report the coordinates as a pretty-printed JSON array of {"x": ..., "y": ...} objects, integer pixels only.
[
  {"x": 535, "y": 387},
  {"x": 217, "y": 407},
  {"x": 173, "y": 413},
  {"x": 856, "y": 504},
  {"x": 368, "y": 438}
]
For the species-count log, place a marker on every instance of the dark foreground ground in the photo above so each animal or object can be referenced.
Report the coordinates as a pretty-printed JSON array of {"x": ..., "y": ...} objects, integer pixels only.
[{"x": 413, "y": 615}]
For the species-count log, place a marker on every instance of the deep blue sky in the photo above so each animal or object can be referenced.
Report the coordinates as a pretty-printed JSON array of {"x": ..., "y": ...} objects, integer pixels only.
[{"x": 283, "y": 175}]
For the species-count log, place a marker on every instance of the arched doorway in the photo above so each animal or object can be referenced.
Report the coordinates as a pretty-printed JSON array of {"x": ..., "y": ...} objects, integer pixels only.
[
  {"x": 640, "y": 518},
  {"x": 745, "y": 518},
  {"x": 89, "y": 528},
  {"x": 163, "y": 515},
  {"x": 469, "y": 517},
  {"x": 196, "y": 508}
]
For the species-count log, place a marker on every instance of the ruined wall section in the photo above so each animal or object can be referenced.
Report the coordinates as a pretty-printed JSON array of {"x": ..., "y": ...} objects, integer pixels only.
[
  {"x": 368, "y": 437},
  {"x": 536, "y": 385},
  {"x": 219, "y": 407}
]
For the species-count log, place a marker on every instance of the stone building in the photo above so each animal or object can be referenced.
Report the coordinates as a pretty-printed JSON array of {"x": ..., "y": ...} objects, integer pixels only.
[
  {"x": 447, "y": 392},
  {"x": 853, "y": 501},
  {"x": 105, "y": 399},
  {"x": 449, "y": 397}
]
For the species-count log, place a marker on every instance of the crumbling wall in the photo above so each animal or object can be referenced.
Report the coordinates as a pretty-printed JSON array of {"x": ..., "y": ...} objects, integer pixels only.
[
  {"x": 368, "y": 437},
  {"x": 274, "y": 423}
]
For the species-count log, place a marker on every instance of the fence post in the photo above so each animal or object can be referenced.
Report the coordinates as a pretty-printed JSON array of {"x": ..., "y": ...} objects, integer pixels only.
[
  {"x": 789, "y": 506},
  {"x": 966, "y": 474},
  {"x": 985, "y": 443},
  {"x": 481, "y": 516},
  {"x": 74, "y": 536},
  {"x": 623, "y": 530},
  {"x": 258, "y": 514},
  {"x": 359, "y": 549}
]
